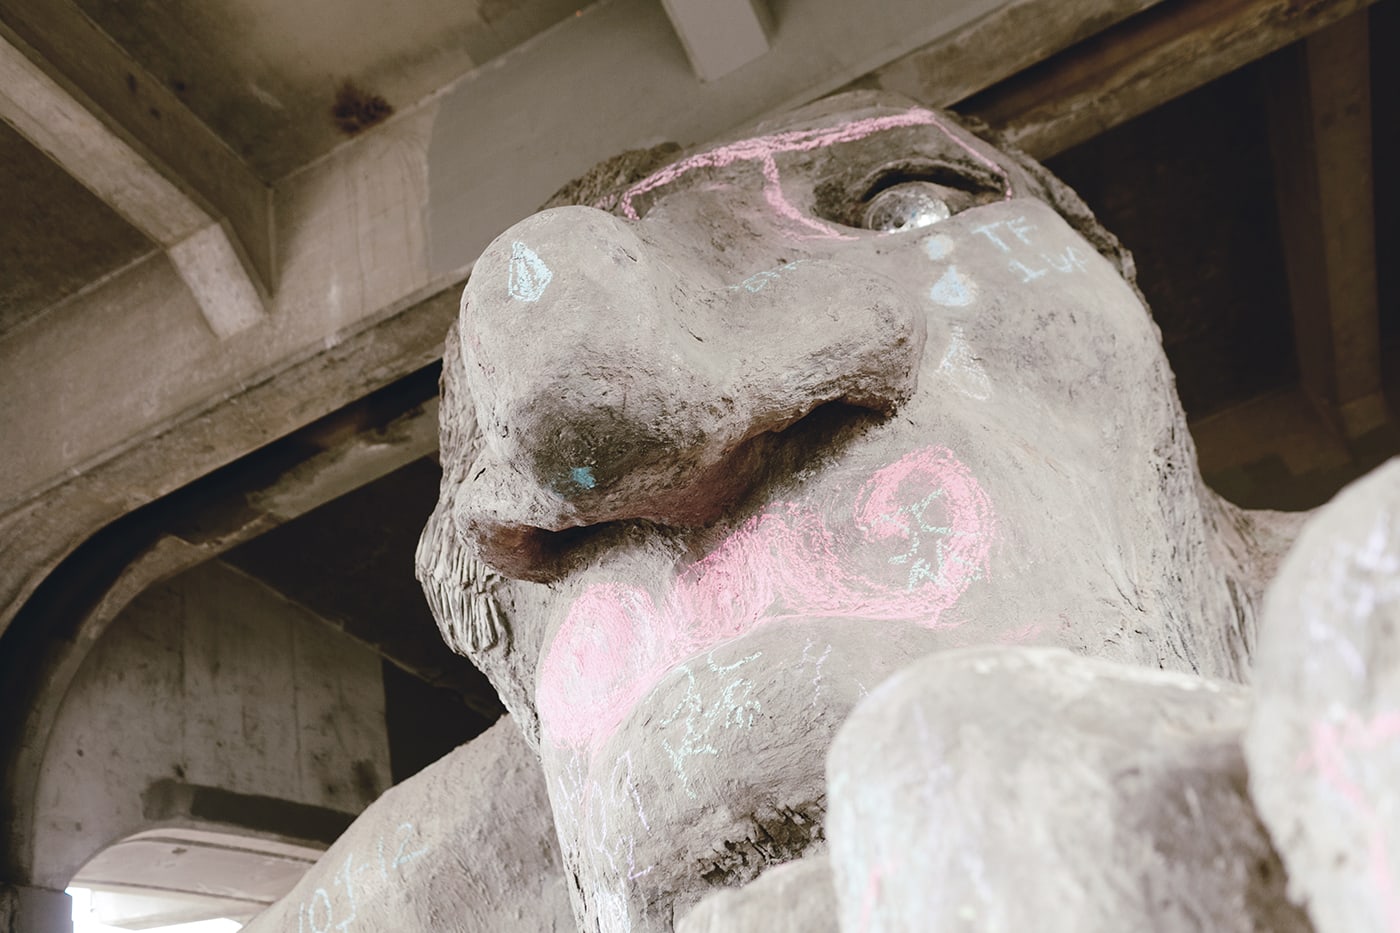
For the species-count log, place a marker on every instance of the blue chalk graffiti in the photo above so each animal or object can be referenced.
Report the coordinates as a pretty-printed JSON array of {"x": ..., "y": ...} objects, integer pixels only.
[
  {"x": 583, "y": 476},
  {"x": 529, "y": 276},
  {"x": 952, "y": 289}
]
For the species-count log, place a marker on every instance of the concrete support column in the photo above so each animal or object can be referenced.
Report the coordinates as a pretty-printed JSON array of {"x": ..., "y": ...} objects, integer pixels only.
[{"x": 34, "y": 910}]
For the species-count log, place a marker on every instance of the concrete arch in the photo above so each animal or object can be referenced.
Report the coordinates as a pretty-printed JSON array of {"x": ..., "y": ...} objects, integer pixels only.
[
  {"x": 65, "y": 616},
  {"x": 210, "y": 689}
]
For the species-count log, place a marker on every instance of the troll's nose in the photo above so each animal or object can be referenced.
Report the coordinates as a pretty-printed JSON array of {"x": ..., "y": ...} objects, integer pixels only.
[{"x": 614, "y": 377}]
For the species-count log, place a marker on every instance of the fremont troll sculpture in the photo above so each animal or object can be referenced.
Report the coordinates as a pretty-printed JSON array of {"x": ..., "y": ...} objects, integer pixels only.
[{"x": 821, "y": 506}]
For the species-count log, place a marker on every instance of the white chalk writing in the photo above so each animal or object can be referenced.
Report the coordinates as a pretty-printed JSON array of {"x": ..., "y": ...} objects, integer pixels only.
[
  {"x": 817, "y": 676},
  {"x": 759, "y": 280},
  {"x": 319, "y": 915},
  {"x": 921, "y": 527},
  {"x": 591, "y": 813},
  {"x": 960, "y": 365},
  {"x": 1011, "y": 236},
  {"x": 733, "y": 708}
]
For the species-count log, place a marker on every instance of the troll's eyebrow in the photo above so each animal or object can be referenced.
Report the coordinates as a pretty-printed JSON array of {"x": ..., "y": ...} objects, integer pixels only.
[{"x": 764, "y": 148}]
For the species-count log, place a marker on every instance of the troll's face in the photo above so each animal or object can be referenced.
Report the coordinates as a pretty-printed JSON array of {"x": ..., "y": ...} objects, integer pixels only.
[{"x": 762, "y": 427}]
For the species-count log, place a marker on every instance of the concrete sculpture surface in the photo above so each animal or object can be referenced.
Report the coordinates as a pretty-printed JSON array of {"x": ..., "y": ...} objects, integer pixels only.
[{"x": 858, "y": 420}]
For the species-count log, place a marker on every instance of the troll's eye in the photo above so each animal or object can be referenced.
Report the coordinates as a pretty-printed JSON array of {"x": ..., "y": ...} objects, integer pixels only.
[
  {"x": 907, "y": 206},
  {"x": 906, "y": 195}
]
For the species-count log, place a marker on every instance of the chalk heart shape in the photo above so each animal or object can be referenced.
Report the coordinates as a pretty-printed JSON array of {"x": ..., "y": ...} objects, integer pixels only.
[
  {"x": 953, "y": 289},
  {"x": 630, "y": 392}
]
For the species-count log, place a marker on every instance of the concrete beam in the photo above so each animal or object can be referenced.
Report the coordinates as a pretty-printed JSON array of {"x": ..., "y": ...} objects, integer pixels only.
[
  {"x": 208, "y": 261},
  {"x": 1142, "y": 63},
  {"x": 65, "y": 129},
  {"x": 89, "y": 64},
  {"x": 309, "y": 468},
  {"x": 1320, "y": 133},
  {"x": 171, "y": 801},
  {"x": 720, "y": 36}
]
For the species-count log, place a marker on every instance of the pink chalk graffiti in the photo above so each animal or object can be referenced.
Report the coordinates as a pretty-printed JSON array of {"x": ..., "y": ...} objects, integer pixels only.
[
  {"x": 763, "y": 148},
  {"x": 870, "y": 897},
  {"x": 615, "y": 644},
  {"x": 1331, "y": 745},
  {"x": 1024, "y": 635}
]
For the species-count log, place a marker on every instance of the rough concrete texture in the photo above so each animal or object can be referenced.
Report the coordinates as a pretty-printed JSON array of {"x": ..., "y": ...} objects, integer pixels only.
[
  {"x": 34, "y": 910},
  {"x": 1010, "y": 789},
  {"x": 1324, "y": 742},
  {"x": 797, "y": 897},
  {"x": 215, "y": 680},
  {"x": 766, "y": 457},
  {"x": 464, "y": 846}
]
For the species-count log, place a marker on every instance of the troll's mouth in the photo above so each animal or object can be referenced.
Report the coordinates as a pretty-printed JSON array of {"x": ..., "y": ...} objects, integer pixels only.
[{"x": 923, "y": 528}]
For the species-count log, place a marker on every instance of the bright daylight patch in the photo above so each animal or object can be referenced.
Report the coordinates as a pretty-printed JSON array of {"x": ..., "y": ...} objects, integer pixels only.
[{"x": 85, "y": 920}]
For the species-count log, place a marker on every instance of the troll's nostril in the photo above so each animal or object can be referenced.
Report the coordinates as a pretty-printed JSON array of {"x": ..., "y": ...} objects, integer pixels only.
[
  {"x": 584, "y": 454},
  {"x": 542, "y": 554}
]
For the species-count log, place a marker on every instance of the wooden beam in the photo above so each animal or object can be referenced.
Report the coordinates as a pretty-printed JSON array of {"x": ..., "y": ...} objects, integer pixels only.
[
  {"x": 197, "y": 242},
  {"x": 1320, "y": 133},
  {"x": 1142, "y": 63},
  {"x": 719, "y": 36},
  {"x": 992, "y": 48}
]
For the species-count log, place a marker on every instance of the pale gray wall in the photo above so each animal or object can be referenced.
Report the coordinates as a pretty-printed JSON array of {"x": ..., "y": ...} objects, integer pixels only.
[{"x": 212, "y": 679}]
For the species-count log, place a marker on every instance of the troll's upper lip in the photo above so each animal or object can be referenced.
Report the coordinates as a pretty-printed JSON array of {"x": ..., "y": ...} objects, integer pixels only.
[{"x": 617, "y": 641}]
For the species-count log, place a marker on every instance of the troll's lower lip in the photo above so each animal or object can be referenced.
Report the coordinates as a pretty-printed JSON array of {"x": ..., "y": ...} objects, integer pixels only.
[{"x": 924, "y": 527}]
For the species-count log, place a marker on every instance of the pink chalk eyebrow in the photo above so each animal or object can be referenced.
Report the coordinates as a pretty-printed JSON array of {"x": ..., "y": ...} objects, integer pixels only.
[{"x": 764, "y": 148}]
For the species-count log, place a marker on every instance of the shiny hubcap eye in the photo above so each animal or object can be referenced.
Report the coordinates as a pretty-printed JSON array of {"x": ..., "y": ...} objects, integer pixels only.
[{"x": 906, "y": 206}]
